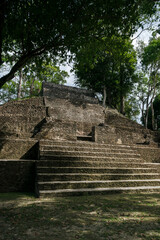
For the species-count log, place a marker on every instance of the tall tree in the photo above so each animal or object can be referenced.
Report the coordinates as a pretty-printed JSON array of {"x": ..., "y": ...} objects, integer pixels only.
[
  {"x": 110, "y": 70},
  {"x": 141, "y": 93},
  {"x": 150, "y": 59},
  {"x": 30, "y": 28}
]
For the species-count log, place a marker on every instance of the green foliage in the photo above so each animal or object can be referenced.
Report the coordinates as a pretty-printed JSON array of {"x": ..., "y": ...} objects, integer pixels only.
[
  {"x": 110, "y": 63},
  {"x": 132, "y": 109},
  {"x": 32, "y": 77},
  {"x": 31, "y": 28},
  {"x": 149, "y": 81},
  {"x": 41, "y": 70},
  {"x": 151, "y": 54},
  {"x": 9, "y": 91}
]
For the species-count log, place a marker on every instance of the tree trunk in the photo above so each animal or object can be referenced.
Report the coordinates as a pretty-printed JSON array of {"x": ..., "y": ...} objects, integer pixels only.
[
  {"x": 20, "y": 84},
  {"x": 122, "y": 105},
  {"x": 146, "y": 119},
  {"x": 20, "y": 63},
  {"x": 146, "y": 113},
  {"x": 153, "y": 120},
  {"x": 109, "y": 98},
  {"x": 152, "y": 99},
  {"x": 104, "y": 96},
  {"x": 121, "y": 92},
  {"x": 143, "y": 113}
]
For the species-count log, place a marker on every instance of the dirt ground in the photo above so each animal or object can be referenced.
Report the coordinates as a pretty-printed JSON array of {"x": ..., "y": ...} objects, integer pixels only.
[{"x": 117, "y": 216}]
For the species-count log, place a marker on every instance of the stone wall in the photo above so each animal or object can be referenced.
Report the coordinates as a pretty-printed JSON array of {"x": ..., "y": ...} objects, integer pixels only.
[
  {"x": 114, "y": 118},
  {"x": 72, "y": 106},
  {"x": 119, "y": 129},
  {"x": 18, "y": 119},
  {"x": 30, "y": 106},
  {"x": 85, "y": 115},
  {"x": 52, "y": 91},
  {"x": 18, "y": 148},
  {"x": 148, "y": 154},
  {"x": 106, "y": 135},
  {"x": 125, "y": 135},
  {"x": 58, "y": 130},
  {"x": 64, "y": 113},
  {"x": 17, "y": 176}
]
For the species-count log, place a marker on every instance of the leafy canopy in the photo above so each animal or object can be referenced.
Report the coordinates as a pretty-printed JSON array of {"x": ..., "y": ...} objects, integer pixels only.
[
  {"x": 29, "y": 28},
  {"x": 111, "y": 66}
]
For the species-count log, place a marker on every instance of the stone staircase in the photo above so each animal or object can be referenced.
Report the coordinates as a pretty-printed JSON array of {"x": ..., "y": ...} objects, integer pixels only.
[{"x": 69, "y": 168}]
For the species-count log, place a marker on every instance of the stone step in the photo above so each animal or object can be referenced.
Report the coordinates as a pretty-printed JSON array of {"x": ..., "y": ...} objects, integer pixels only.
[
  {"x": 50, "y": 154},
  {"x": 130, "y": 127},
  {"x": 67, "y": 163},
  {"x": 94, "y": 170},
  {"x": 72, "y": 145},
  {"x": 97, "y": 184},
  {"x": 107, "y": 149},
  {"x": 45, "y": 160},
  {"x": 84, "y": 176},
  {"x": 82, "y": 167},
  {"x": 95, "y": 191},
  {"x": 82, "y": 144}
]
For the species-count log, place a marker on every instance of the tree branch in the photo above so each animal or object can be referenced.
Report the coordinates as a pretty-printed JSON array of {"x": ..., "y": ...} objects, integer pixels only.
[
  {"x": 20, "y": 63},
  {"x": 140, "y": 33}
]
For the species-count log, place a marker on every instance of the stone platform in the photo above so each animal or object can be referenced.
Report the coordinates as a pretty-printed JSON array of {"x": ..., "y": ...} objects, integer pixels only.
[{"x": 77, "y": 146}]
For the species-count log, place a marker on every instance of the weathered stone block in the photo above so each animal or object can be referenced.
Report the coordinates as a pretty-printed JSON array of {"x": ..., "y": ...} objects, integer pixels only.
[
  {"x": 19, "y": 118},
  {"x": 57, "y": 129},
  {"x": 84, "y": 115},
  {"x": 149, "y": 154},
  {"x": 106, "y": 134},
  {"x": 17, "y": 175},
  {"x": 18, "y": 149},
  {"x": 52, "y": 91}
]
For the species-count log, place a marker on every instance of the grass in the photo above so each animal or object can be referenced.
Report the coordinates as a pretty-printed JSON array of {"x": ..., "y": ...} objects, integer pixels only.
[{"x": 117, "y": 216}]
